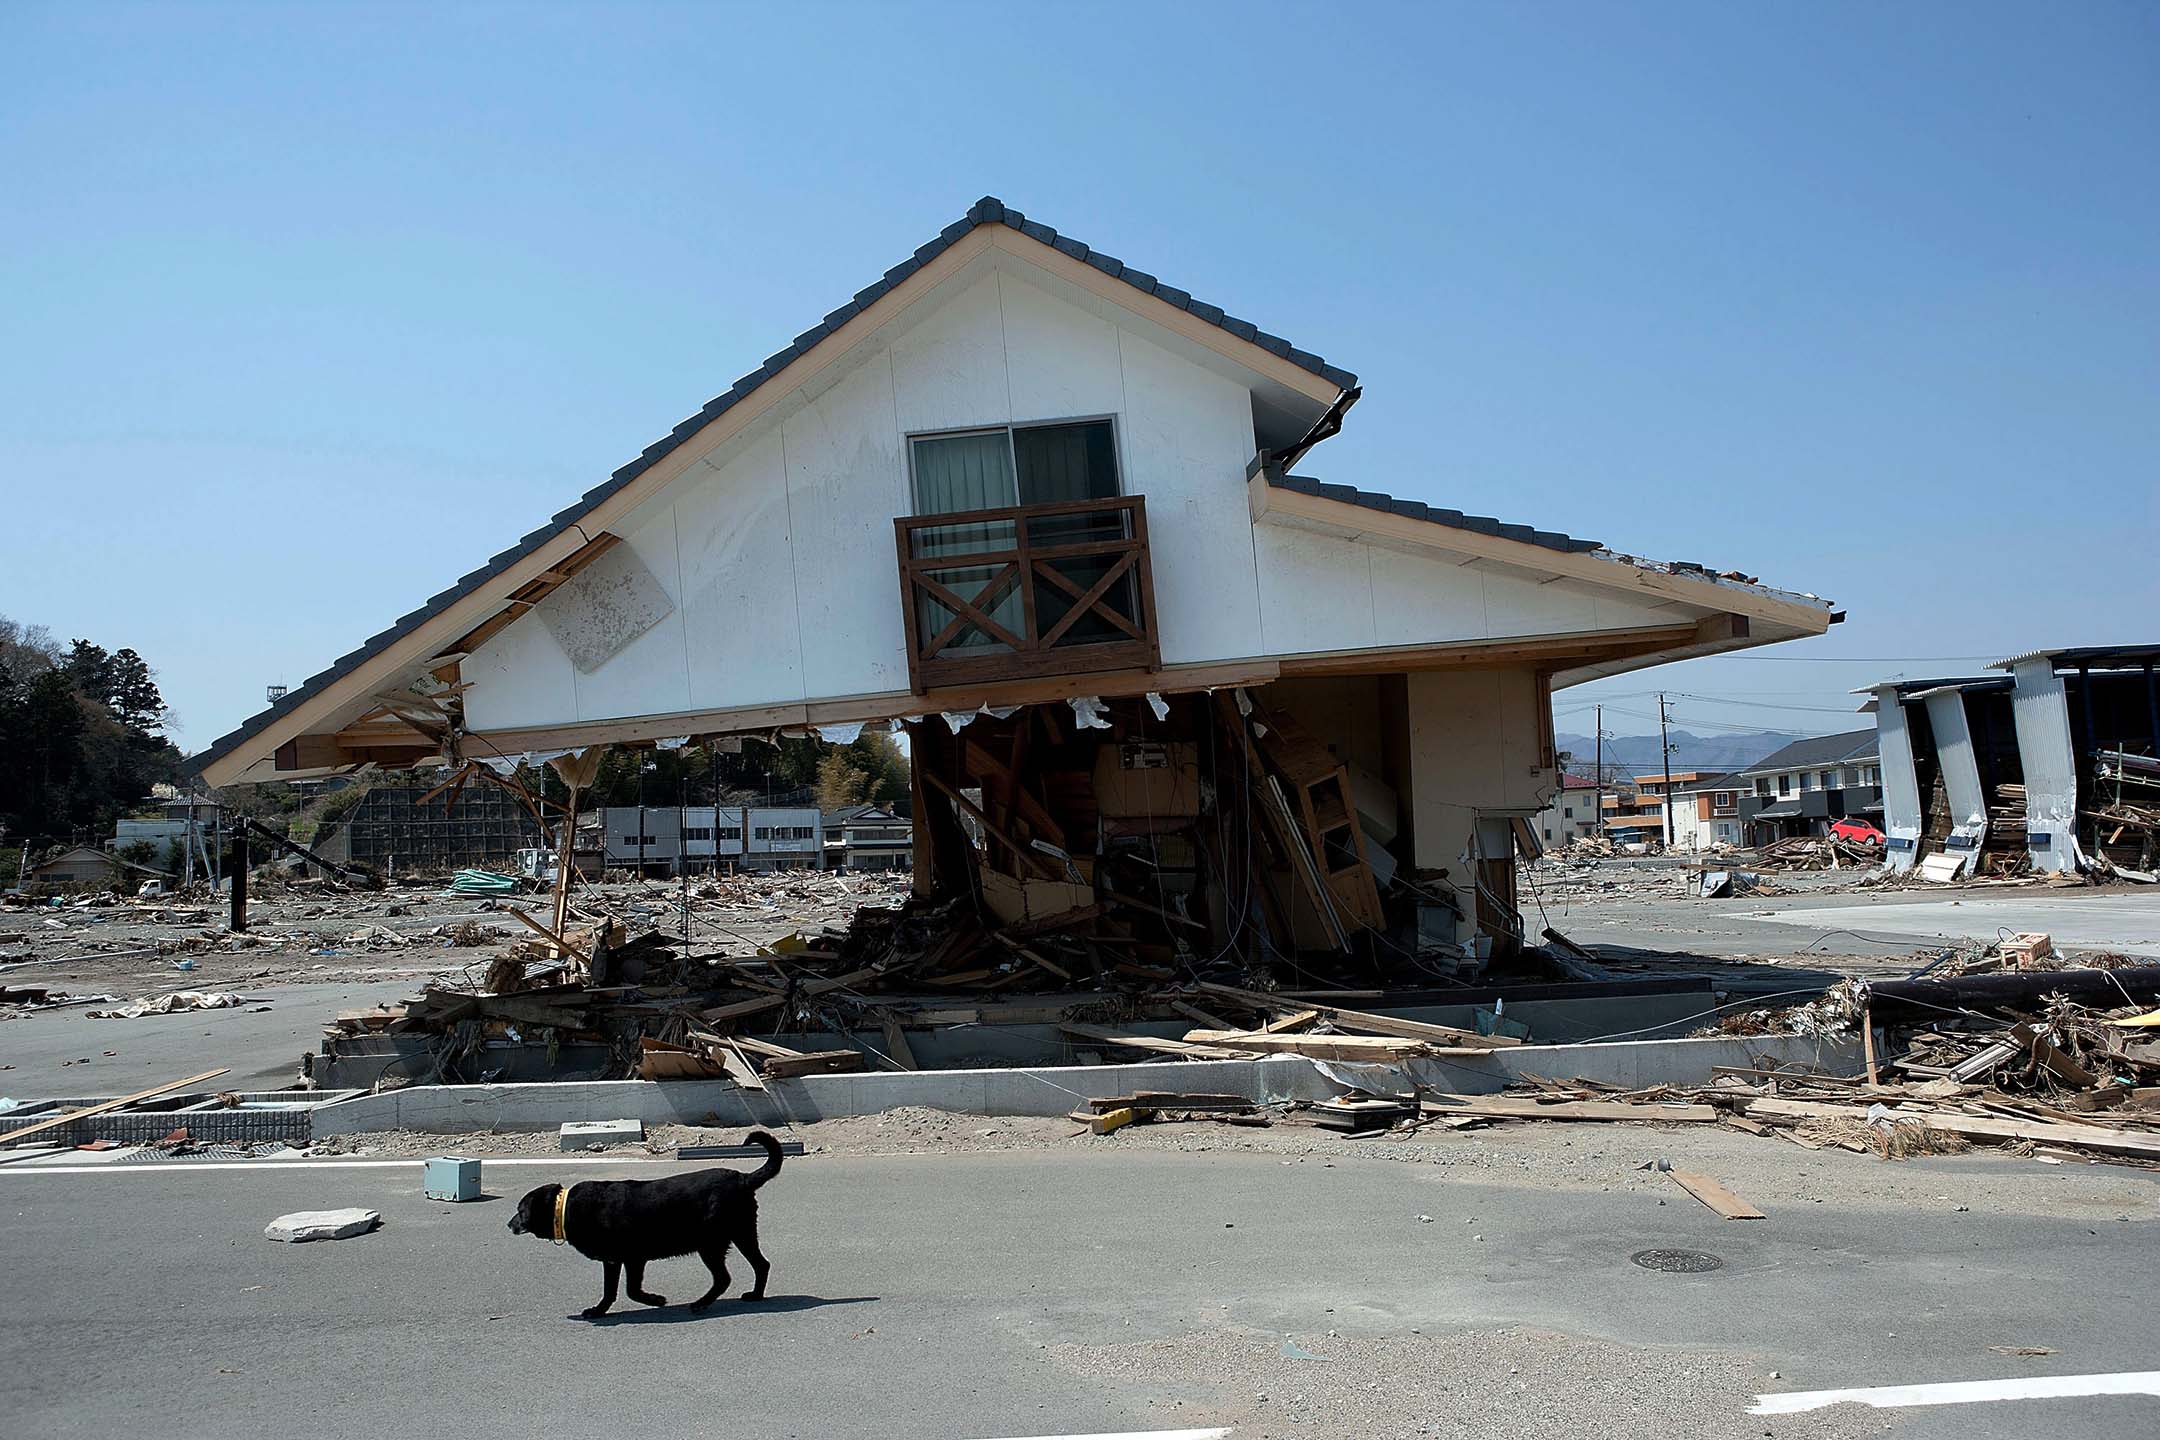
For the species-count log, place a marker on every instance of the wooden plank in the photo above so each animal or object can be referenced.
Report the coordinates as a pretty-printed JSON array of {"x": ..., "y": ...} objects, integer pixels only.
[
  {"x": 763, "y": 1048},
  {"x": 817, "y": 1062},
  {"x": 1027, "y": 853},
  {"x": 1155, "y": 1043},
  {"x": 896, "y": 1046},
  {"x": 771, "y": 1002},
  {"x": 739, "y": 1069},
  {"x": 1716, "y": 1196},
  {"x": 1376, "y": 1024},
  {"x": 1295, "y": 1021},
  {"x": 2142, "y": 1143},
  {"x": 1380, "y": 1049},
  {"x": 562, "y": 946},
  {"x": 1194, "y": 1012},
  {"x": 1510, "y": 1107},
  {"x": 109, "y": 1106}
]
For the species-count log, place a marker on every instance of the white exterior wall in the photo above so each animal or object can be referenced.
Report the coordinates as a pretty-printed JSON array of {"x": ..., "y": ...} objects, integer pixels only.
[
  {"x": 1323, "y": 593},
  {"x": 1473, "y": 751},
  {"x": 776, "y": 553}
]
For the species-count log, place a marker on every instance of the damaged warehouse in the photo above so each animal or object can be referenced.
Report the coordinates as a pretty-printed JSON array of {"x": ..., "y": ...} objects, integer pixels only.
[
  {"x": 2047, "y": 767},
  {"x": 1176, "y": 712}
]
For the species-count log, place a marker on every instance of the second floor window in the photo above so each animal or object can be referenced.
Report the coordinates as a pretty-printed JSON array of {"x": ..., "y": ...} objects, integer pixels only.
[
  {"x": 1021, "y": 465},
  {"x": 959, "y": 473}
]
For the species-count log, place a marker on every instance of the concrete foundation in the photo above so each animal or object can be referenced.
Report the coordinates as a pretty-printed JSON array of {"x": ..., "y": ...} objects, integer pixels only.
[
  {"x": 1052, "y": 1091},
  {"x": 1556, "y": 1014}
]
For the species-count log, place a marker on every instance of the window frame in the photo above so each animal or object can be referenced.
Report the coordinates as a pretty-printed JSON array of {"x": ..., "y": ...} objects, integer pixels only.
[{"x": 1012, "y": 454}]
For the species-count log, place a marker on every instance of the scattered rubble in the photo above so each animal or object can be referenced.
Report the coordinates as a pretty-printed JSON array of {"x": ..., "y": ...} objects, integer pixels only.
[{"x": 169, "y": 1004}]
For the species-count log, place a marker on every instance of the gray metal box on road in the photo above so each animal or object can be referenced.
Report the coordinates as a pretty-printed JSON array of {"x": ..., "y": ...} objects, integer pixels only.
[{"x": 448, "y": 1178}]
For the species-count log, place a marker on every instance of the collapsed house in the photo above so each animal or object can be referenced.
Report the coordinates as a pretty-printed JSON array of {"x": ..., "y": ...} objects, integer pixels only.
[
  {"x": 1170, "y": 702},
  {"x": 2052, "y": 766}
]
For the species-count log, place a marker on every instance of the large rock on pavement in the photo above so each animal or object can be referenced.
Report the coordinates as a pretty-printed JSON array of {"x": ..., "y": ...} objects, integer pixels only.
[{"x": 323, "y": 1224}]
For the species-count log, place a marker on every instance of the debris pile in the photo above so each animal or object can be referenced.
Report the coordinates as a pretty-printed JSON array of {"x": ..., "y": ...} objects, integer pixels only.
[
  {"x": 2125, "y": 814},
  {"x": 1815, "y": 852}
]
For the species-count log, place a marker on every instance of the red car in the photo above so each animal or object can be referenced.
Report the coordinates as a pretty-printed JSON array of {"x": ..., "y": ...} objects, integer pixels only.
[{"x": 1860, "y": 832}]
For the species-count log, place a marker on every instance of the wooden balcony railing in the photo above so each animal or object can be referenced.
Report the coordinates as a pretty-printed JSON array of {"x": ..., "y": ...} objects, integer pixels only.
[{"x": 1028, "y": 590}]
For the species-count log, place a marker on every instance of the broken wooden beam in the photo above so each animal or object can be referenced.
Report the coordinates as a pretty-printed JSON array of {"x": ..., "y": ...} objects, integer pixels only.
[{"x": 1511, "y": 1107}]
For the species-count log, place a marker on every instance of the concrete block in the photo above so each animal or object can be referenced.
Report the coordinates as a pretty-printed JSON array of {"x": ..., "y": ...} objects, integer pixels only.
[
  {"x": 447, "y": 1177},
  {"x": 322, "y": 1224},
  {"x": 577, "y": 1134}
]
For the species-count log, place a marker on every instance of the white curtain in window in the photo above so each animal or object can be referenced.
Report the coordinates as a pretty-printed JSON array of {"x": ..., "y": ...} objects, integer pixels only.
[
  {"x": 964, "y": 472},
  {"x": 955, "y": 473}
]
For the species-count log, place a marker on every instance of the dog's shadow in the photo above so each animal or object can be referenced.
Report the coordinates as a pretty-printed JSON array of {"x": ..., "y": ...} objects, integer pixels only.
[{"x": 677, "y": 1314}]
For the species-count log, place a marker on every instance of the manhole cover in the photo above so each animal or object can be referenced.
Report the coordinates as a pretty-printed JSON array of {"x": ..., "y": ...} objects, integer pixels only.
[{"x": 1678, "y": 1262}]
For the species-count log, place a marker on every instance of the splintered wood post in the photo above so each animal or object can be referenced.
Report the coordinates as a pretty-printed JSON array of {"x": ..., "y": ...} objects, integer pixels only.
[
  {"x": 238, "y": 921},
  {"x": 565, "y": 858},
  {"x": 1867, "y": 1042},
  {"x": 896, "y": 1046}
]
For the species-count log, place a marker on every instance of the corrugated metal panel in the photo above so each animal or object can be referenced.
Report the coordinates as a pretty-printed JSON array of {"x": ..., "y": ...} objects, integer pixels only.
[
  {"x": 1961, "y": 777},
  {"x": 1902, "y": 816},
  {"x": 2049, "y": 759}
]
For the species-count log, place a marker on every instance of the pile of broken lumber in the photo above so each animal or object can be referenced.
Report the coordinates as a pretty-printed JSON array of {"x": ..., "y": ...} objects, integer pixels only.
[{"x": 1287, "y": 1026}]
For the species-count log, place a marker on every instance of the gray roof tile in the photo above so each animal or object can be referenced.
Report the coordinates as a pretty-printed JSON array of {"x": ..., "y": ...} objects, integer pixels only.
[{"x": 1418, "y": 510}]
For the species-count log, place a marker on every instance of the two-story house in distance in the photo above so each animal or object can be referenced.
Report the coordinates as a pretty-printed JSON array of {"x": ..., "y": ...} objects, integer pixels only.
[{"x": 1049, "y": 515}]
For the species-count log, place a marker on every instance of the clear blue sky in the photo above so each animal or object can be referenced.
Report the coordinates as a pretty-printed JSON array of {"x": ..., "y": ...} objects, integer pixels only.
[{"x": 306, "y": 310}]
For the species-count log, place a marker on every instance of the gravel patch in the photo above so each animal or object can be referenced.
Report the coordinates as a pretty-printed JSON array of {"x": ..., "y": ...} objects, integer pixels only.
[{"x": 1522, "y": 1383}]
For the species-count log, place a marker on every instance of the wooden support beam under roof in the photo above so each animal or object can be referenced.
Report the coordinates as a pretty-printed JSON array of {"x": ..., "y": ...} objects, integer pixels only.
[{"x": 531, "y": 593}]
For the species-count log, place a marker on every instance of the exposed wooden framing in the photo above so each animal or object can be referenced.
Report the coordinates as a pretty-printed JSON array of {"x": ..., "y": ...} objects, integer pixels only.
[
  {"x": 532, "y": 592},
  {"x": 1021, "y": 566},
  {"x": 324, "y": 752},
  {"x": 1026, "y": 853},
  {"x": 1553, "y": 651}
]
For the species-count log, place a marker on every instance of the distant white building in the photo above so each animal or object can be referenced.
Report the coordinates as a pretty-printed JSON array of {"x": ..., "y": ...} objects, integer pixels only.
[
  {"x": 868, "y": 837},
  {"x": 706, "y": 837}
]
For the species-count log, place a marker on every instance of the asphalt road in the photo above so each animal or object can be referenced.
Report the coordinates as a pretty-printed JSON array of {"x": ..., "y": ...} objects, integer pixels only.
[
  {"x": 1882, "y": 926},
  {"x": 2129, "y": 923},
  {"x": 1060, "y": 1292},
  {"x": 62, "y": 1052}
]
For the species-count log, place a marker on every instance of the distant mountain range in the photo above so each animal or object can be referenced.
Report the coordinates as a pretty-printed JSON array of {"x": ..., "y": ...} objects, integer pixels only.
[{"x": 1639, "y": 754}]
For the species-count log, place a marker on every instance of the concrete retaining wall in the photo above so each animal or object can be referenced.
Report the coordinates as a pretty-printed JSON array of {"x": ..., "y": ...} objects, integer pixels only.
[{"x": 1049, "y": 1091}]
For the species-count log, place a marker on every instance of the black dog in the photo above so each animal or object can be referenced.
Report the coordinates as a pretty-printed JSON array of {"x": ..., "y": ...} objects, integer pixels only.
[{"x": 623, "y": 1224}]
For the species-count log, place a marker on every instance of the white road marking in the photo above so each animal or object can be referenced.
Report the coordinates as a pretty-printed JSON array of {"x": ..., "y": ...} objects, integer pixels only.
[
  {"x": 190, "y": 1167},
  {"x": 1965, "y": 1392},
  {"x": 1218, "y": 1433}
]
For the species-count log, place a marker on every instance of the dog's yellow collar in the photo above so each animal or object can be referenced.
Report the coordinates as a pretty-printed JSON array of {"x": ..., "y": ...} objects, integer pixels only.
[{"x": 562, "y": 1215}]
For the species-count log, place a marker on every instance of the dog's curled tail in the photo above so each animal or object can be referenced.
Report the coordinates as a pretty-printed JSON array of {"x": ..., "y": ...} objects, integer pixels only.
[{"x": 771, "y": 1167}]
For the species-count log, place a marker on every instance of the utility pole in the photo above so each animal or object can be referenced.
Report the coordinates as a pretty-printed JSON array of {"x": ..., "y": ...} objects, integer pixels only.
[
  {"x": 1599, "y": 802},
  {"x": 1665, "y": 748}
]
